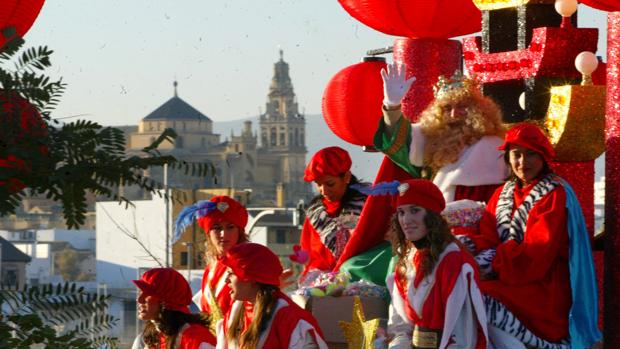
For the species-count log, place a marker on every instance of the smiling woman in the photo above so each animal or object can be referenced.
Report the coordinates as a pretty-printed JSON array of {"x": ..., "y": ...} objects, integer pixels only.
[
  {"x": 434, "y": 288},
  {"x": 534, "y": 253}
]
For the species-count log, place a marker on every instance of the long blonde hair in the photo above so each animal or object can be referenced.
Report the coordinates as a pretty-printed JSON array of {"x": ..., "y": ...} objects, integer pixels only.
[
  {"x": 264, "y": 307},
  {"x": 446, "y": 139}
]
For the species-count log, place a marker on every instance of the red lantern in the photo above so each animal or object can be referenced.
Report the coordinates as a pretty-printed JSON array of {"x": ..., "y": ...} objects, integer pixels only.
[
  {"x": 439, "y": 19},
  {"x": 19, "y": 14},
  {"x": 352, "y": 101},
  {"x": 603, "y": 5}
]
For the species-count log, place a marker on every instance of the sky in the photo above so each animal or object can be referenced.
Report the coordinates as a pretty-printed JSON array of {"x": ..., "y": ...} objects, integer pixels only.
[{"x": 120, "y": 58}]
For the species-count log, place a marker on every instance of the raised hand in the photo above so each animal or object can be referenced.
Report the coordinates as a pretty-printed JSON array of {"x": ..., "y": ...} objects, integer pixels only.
[{"x": 395, "y": 84}]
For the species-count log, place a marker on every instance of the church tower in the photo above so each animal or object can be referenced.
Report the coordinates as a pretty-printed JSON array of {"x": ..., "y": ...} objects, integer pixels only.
[{"x": 282, "y": 135}]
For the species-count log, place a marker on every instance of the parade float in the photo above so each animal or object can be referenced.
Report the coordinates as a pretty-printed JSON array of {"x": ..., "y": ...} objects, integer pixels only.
[{"x": 537, "y": 64}]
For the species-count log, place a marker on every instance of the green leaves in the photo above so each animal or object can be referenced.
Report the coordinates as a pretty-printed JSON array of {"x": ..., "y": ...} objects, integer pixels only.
[{"x": 58, "y": 316}]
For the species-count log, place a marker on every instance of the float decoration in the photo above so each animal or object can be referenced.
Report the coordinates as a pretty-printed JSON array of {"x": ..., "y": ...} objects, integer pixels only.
[
  {"x": 359, "y": 333},
  {"x": 352, "y": 101}
]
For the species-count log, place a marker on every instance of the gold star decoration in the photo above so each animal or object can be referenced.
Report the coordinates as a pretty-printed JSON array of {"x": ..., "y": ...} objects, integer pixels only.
[{"x": 359, "y": 333}]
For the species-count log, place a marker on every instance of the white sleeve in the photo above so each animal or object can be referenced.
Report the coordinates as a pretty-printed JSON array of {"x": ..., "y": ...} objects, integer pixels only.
[
  {"x": 305, "y": 336},
  {"x": 399, "y": 330},
  {"x": 465, "y": 333},
  {"x": 205, "y": 345},
  {"x": 416, "y": 148}
]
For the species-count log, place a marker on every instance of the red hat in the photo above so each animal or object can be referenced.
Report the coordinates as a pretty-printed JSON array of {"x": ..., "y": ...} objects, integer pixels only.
[
  {"x": 226, "y": 209},
  {"x": 168, "y": 286},
  {"x": 421, "y": 192},
  {"x": 254, "y": 262},
  {"x": 332, "y": 161},
  {"x": 531, "y": 137}
]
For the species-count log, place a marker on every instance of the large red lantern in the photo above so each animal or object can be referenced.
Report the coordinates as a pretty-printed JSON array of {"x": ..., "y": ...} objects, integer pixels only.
[
  {"x": 438, "y": 19},
  {"x": 352, "y": 101},
  {"x": 19, "y": 14},
  {"x": 603, "y": 5}
]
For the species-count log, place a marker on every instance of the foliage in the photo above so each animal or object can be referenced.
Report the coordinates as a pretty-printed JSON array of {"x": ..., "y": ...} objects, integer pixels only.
[
  {"x": 60, "y": 316},
  {"x": 64, "y": 161}
]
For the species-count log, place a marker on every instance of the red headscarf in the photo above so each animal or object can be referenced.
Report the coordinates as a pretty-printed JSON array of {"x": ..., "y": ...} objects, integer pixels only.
[
  {"x": 421, "y": 192},
  {"x": 254, "y": 262},
  {"x": 332, "y": 161},
  {"x": 531, "y": 137},
  {"x": 168, "y": 286},
  {"x": 227, "y": 209}
]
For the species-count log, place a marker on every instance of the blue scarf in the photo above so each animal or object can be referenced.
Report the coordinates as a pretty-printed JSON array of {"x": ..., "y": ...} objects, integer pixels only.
[{"x": 583, "y": 316}]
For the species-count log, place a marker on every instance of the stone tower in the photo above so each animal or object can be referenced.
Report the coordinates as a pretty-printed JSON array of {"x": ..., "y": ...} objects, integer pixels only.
[{"x": 282, "y": 135}]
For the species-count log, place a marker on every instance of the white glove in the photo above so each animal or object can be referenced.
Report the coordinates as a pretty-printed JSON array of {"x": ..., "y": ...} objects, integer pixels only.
[{"x": 395, "y": 86}]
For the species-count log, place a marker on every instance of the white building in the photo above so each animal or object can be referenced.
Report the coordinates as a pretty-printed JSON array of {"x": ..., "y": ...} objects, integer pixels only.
[{"x": 42, "y": 245}]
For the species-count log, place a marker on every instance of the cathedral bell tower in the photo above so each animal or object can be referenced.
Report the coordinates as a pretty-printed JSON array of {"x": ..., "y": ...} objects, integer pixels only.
[{"x": 283, "y": 133}]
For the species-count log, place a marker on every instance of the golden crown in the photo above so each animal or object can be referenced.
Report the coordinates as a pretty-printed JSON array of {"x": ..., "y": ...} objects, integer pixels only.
[{"x": 458, "y": 81}]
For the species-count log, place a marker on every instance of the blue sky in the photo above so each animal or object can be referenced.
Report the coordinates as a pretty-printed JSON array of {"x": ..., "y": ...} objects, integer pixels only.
[{"x": 120, "y": 57}]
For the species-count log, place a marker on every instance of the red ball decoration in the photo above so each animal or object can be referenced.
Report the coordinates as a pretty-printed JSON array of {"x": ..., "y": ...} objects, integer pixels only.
[
  {"x": 19, "y": 14},
  {"x": 439, "y": 19},
  {"x": 23, "y": 134},
  {"x": 352, "y": 101}
]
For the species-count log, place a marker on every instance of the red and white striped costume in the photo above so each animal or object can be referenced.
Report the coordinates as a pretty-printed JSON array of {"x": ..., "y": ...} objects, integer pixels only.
[
  {"x": 289, "y": 327},
  {"x": 447, "y": 300}
]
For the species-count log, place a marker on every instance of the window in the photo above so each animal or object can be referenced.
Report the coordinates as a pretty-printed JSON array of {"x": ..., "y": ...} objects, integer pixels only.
[
  {"x": 184, "y": 258},
  {"x": 282, "y": 138},
  {"x": 280, "y": 236},
  {"x": 9, "y": 277},
  {"x": 273, "y": 136}
]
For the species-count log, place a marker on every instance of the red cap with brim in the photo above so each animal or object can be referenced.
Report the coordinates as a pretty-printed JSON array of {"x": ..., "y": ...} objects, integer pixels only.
[
  {"x": 531, "y": 137},
  {"x": 254, "y": 262},
  {"x": 167, "y": 286},
  {"x": 332, "y": 161},
  {"x": 228, "y": 209},
  {"x": 421, "y": 192}
]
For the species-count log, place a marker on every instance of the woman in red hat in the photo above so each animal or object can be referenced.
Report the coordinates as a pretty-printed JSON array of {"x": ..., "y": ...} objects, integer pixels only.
[
  {"x": 436, "y": 302},
  {"x": 262, "y": 316},
  {"x": 534, "y": 253},
  {"x": 163, "y": 299},
  {"x": 331, "y": 215},
  {"x": 223, "y": 219}
]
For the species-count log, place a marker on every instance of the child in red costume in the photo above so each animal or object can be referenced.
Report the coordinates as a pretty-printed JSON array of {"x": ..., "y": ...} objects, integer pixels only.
[
  {"x": 436, "y": 302},
  {"x": 163, "y": 299},
  {"x": 223, "y": 219},
  {"x": 262, "y": 316},
  {"x": 333, "y": 214}
]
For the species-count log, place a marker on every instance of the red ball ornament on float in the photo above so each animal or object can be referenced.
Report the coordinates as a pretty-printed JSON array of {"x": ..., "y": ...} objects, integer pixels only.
[
  {"x": 19, "y": 14},
  {"x": 352, "y": 101},
  {"x": 22, "y": 141},
  {"x": 438, "y": 19},
  {"x": 603, "y": 5}
]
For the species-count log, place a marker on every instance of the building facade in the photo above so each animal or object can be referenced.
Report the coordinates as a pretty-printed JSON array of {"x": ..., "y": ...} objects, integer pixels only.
[{"x": 276, "y": 162}]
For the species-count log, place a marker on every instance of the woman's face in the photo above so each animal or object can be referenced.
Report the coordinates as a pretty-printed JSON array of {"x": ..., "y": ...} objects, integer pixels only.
[
  {"x": 148, "y": 307},
  {"x": 241, "y": 290},
  {"x": 333, "y": 187},
  {"x": 223, "y": 236},
  {"x": 411, "y": 220},
  {"x": 526, "y": 164}
]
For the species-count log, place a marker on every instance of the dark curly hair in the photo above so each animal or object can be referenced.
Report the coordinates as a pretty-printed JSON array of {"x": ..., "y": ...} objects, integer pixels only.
[
  {"x": 437, "y": 238},
  {"x": 169, "y": 323}
]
